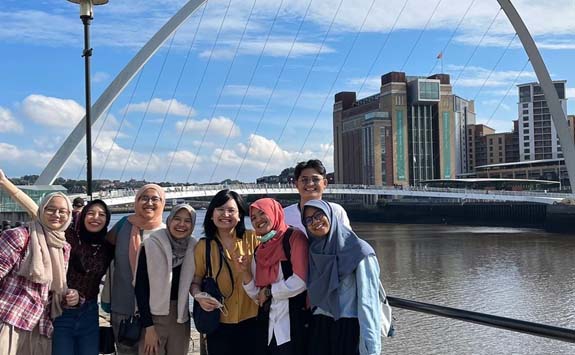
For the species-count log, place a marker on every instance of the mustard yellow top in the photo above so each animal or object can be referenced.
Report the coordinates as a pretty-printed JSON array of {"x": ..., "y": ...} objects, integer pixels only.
[{"x": 238, "y": 304}]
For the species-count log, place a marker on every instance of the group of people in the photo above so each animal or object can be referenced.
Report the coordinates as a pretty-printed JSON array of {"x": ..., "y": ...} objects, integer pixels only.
[{"x": 300, "y": 282}]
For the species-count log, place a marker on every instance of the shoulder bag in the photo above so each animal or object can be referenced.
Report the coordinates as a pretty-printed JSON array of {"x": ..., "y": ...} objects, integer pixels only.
[{"x": 207, "y": 322}]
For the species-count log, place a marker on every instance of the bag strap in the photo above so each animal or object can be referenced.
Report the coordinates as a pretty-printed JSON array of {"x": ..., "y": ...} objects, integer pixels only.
[
  {"x": 222, "y": 261},
  {"x": 208, "y": 257}
]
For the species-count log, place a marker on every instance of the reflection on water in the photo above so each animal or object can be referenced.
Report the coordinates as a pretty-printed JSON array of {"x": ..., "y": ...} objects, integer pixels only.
[{"x": 518, "y": 273}]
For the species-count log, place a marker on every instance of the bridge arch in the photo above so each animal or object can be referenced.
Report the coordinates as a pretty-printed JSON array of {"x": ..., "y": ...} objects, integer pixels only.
[{"x": 56, "y": 164}]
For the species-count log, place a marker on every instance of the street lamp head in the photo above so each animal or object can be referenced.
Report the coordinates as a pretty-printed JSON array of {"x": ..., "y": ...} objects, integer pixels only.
[{"x": 86, "y": 6}]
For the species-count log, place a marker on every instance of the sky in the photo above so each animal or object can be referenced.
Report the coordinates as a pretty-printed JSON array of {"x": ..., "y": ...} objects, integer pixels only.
[{"x": 245, "y": 88}]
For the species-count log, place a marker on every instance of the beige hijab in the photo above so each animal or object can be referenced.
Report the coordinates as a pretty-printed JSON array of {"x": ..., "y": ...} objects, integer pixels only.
[
  {"x": 141, "y": 222},
  {"x": 44, "y": 259}
]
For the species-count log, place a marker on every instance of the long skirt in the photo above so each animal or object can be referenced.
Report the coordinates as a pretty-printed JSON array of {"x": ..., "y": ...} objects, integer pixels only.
[{"x": 334, "y": 337}]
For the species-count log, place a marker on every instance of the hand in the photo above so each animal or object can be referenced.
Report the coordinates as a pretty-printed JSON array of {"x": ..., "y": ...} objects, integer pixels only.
[
  {"x": 241, "y": 262},
  {"x": 207, "y": 304},
  {"x": 72, "y": 297},
  {"x": 262, "y": 298},
  {"x": 151, "y": 341}
]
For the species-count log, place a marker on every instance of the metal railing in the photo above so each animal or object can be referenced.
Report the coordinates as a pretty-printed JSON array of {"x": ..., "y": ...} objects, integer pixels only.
[{"x": 542, "y": 330}]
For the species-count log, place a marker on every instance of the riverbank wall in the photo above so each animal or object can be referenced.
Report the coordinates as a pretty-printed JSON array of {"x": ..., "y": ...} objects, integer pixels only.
[{"x": 552, "y": 218}]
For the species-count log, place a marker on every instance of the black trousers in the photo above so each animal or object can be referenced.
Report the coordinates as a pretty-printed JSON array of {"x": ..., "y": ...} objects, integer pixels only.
[
  {"x": 244, "y": 338},
  {"x": 284, "y": 349},
  {"x": 331, "y": 337}
]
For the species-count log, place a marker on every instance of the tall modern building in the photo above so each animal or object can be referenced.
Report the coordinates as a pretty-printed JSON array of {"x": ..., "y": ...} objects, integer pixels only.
[
  {"x": 412, "y": 130},
  {"x": 537, "y": 134}
]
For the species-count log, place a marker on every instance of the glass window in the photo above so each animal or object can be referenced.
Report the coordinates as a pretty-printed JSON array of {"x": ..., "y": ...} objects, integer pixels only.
[{"x": 525, "y": 94}]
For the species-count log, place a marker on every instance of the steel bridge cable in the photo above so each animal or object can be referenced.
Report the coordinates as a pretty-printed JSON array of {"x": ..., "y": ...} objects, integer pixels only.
[
  {"x": 452, "y": 35},
  {"x": 121, "y": 122},
  {"x": 212, "y": 115},
  {"x": 494, "y": 67},
  {"x": 507, "y": 92},
  {"x": 420, "y": 35},
  {"x": 175, "y": 90},
  {"x": 199, "y": 86},
  {"x": 275, "y": 87},
  {"x": 300, "y": 151},
  {"x": 379, "y": 52},
  {"x": 148, "y": 104},
  {"x": 252, "y": 76},
  {"x": 477, "y": 46},
  {"x": 95, "y": 141},
  {"x": 329, "y": 91}
]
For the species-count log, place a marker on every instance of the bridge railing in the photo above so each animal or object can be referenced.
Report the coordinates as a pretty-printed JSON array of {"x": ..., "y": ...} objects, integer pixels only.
[
  {"x": 542, "y": 330},
  {"x": 358, "y": 189}
]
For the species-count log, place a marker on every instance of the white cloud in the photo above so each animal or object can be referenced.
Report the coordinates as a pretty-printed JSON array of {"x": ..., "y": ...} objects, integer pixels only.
[
  {"x": 8, "y": 122},
  {"x": 218, "y": 125},
  {"x": 36, "y": 158},
  {"x": 475, "y": 76},
  {"x": 184, "y": 158},
  {"x": 160, "y": 106},
  {"x": 52, "y": 111},
  {"x": 100, "y": 77},
  {"x": 263, "y": 153},
  {"x": 274, "y": 48}
]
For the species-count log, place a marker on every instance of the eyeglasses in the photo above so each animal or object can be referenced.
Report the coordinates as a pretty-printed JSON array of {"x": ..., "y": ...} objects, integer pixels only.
[
  {"x": 314, "y": 179},
  {"x": 222, "y": 210},
  {"x": 316, "y": 217},
  {"x": 153, "y": 199},
  {"x": 53, "y": 211}
]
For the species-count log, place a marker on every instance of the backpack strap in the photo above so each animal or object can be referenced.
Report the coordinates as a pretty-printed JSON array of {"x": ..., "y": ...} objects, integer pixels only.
[
  {"x": 287, "y": 267},
  {"x": 112, "y": 235}
]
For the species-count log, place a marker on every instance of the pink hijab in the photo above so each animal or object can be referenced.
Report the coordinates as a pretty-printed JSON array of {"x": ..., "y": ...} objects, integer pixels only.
[{"x": 271, "y": 253}]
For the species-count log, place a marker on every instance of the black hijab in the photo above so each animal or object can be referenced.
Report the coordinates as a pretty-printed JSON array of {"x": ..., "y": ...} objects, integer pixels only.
[{"x": 92, "y": 237}]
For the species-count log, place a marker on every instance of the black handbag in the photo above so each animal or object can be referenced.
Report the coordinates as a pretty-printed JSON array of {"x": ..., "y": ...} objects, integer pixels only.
[
  {"x": 130, "y": 330},
  {"x": 106, "y": 343},
  {"x": 207, "y": 322}
]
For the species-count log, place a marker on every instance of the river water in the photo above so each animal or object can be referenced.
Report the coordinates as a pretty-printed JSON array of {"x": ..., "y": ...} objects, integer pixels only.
[{"x": 524, "y": 274}]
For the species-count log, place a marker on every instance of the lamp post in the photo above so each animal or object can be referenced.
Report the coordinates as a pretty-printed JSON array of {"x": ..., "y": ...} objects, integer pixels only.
[{"x": 87, "y": 15}]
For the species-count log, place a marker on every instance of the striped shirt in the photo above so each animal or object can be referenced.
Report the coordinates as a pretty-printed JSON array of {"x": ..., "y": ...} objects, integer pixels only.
[{"x": 23, "y": 303}]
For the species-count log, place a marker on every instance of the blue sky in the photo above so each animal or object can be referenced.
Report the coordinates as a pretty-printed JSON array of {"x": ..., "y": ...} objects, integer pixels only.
[{"x": 263, "y": 84}]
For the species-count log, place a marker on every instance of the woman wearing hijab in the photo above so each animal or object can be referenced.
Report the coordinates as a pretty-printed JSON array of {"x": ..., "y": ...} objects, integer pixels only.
[
  {"x": 279, "y": 281},
  {"x": 33, "y": 262},
  {"x": 127, "y": 235},
  {"x": 76, "y": 331},
  {"x": 343, "y": 284},
  {"x": 163, "y": 279}
]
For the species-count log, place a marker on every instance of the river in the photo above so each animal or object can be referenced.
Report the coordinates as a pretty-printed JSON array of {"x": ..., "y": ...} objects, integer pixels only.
[{"x": 524, "y": 274}]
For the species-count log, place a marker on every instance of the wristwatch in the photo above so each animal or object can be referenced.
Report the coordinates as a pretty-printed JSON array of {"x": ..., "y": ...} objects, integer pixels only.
[{"x": 268, "y": 291}]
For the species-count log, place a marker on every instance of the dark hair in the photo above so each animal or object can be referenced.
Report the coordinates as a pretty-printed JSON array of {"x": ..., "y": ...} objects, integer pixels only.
[
  {"x": 78, "y": 202},
  {"x": 218, "y": 200},
  {"x": 315, "y": 164}
]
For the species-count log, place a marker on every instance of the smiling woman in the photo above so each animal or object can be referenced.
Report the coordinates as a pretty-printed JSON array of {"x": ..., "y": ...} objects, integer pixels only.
[{"x": 127, "y": 235}]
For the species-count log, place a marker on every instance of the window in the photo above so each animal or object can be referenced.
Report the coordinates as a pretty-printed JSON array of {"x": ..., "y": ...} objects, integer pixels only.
[
  {"x": 526, "y": 131},
  {"x": 526, "y": 124},
  {"x": 525, "y": 105},
  {"x": 491, "y": 148},
  {"x": 526, "y": 144},
  {"x": 525, "y": 112},
  {"x": 525, "y": 118},
  {"x": 526, "y": 151},
  {"x": 525, "y": 94},
  {"x": 528, "y": 157},
  {"x": 500, "y": 140},
  {"x": 525, "y": 138}
]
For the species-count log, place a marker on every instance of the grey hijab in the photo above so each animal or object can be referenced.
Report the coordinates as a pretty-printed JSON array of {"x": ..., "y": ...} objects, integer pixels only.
[
  {"x": 179, "y": 246},
  {"x": 331, "y": 259}
]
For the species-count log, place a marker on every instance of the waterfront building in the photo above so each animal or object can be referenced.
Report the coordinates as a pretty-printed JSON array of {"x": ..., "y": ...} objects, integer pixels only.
[
  {"x": 538, "y": 137},
  {"x": 412, "y": 130},
  {"x": 545, "y": 169},
  {"x": 488, "y": 147}
]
